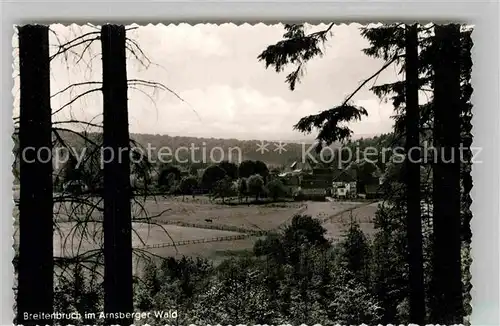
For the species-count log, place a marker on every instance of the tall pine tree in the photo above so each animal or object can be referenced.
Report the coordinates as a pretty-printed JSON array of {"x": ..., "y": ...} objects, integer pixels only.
[
  {"x": 412, "y": 174},
  {"x": 117, "y": 188},
  {"x": 36, "y": 265},
  {"x": 447, "y": 303},
  {"x": 389, "y": 42}
]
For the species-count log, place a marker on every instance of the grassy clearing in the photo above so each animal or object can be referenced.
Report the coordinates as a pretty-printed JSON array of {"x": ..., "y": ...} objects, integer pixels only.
[
  {"x": 215, "y": 251},
  {"x": 250, "y": 217},
  {"x": 69, "y": 240},
  {"x": 196, "y": 212}
]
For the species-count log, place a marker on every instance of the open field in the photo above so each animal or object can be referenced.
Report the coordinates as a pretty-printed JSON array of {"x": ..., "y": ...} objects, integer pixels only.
[
  {"x": 215, "y": 251},
  {"x": 248, "y": 217},
  {"x": 185, "y": 223},
  {"x": 193, "y": 212},
  {"x": 67, "y": 238}
]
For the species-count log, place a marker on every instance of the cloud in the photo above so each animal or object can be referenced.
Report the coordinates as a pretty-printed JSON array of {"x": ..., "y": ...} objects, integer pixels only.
[
  {"x": 214, "y": 68},
  {"x": 181, "y": 40},
  {"x": 378, "y": 120},
  {"x": 225, "y": 111}
]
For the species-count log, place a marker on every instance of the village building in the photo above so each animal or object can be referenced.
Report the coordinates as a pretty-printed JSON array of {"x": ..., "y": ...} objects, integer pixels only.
[
  {"x": 303, "y": 180},
  {"x": 343, "y": 184}
]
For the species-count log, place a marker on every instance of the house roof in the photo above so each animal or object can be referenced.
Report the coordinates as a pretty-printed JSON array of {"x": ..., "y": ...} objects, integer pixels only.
[
  {"x": 342, "y": 176},
  {"x": 301, "y": 165}
]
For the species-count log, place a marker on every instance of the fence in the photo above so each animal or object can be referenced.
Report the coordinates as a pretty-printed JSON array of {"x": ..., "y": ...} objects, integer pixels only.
[
  {"x": 248, "y": 233},
  {"x": 223, "y": 227},
  {"x": 207, "y": 226},
  {"x": 196, "y": 241}
]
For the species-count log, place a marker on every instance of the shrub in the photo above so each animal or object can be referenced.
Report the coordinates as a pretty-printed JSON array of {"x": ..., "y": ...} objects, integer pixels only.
[
  {"x": 276, "y": 189},
  {"x": 211, "y": 175},
  {"x": 223, "y": 188},
  {"x": 187, "y": 185},
  {"x": 255, "y": 185}
]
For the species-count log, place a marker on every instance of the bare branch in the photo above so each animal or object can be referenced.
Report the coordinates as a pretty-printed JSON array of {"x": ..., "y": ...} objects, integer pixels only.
[
  {"x": 90, "y": 124},
  {"x": 147, "y": 83},
  {"x": 76, "y": 98},
  {"x": 137, "y": 48},
  {"x": 76, "y": 133},
  {"x": 75, "y": 85},
  {"x": 65, "y": 49}
]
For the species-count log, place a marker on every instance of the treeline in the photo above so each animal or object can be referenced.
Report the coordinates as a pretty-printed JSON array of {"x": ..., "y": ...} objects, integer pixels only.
[{"x": 223, "y": 180}]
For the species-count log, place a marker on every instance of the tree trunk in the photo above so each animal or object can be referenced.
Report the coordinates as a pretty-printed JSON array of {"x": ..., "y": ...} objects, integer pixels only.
[
  {"x": 117, "y": 189},
  {"x": 447, "y": 304},
  {"x": 414, "y": 221},
  {"x": 36, "y": 265}
]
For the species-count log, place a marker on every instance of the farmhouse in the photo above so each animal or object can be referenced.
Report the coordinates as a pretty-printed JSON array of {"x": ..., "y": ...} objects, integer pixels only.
[
  {"x": 311, "y": 182},
  {"x": 304, "y": 180},
  {"x": 343, "y": 184}
]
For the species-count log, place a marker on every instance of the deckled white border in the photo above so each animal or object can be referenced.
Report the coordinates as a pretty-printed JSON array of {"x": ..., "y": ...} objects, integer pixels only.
[{"x": 486, "y": 195}]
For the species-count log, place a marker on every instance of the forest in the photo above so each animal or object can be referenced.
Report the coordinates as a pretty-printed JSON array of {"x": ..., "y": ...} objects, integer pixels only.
[{"x": 415, "y": 269}]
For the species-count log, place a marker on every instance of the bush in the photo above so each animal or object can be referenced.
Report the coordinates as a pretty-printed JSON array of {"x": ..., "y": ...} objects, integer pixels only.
[
  {"x": 276, "y": 189},
  {"x": 270, "y": 245},
  {"x": 242, "y": 188},
  {"x": 255, "y": 185},
  {"x": 168, "y": 175},
  {"x": 305, "y": 229},
  {"x": 354, "y": 305},
  {"x": 230, "y": 168},
  {"x": 223, "y": 188},
  {"x": 188, "y": 185},
  {"x": 211, "y": 175},
  {"x": 78, "y": 292}
]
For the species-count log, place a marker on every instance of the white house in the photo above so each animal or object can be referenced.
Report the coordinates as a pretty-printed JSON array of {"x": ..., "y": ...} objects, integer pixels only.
[{"x": 343, "y": 184}]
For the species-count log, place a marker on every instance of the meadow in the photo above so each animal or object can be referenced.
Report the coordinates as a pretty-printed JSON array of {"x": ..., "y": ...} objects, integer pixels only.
[{"x": 199, "y": 227}]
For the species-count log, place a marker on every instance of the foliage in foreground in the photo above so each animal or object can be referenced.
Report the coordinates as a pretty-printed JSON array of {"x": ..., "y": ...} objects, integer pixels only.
[{"x": 295, "y": 276}]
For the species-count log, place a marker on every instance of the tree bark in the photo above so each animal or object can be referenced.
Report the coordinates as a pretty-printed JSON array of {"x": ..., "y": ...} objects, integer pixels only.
[
  {"x": 414, "y": 220},
  {"x": 117, "y": 189},
  {"x": 447, "y": 304},
  {"x": 36, "y": 265}
]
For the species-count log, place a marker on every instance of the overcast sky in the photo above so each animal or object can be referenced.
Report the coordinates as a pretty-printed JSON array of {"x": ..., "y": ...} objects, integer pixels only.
[{"x": 229, "y": 93}]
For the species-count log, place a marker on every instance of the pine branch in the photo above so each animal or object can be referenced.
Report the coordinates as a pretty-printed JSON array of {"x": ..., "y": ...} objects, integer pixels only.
[{"x": 296, "y": 48}]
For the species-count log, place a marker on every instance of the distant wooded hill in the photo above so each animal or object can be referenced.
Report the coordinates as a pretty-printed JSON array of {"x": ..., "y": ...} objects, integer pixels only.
[
  {"x": 203, "y": 147},
  {"x": 269, "y": 152},
  {"x": 271, "y": 155}
]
